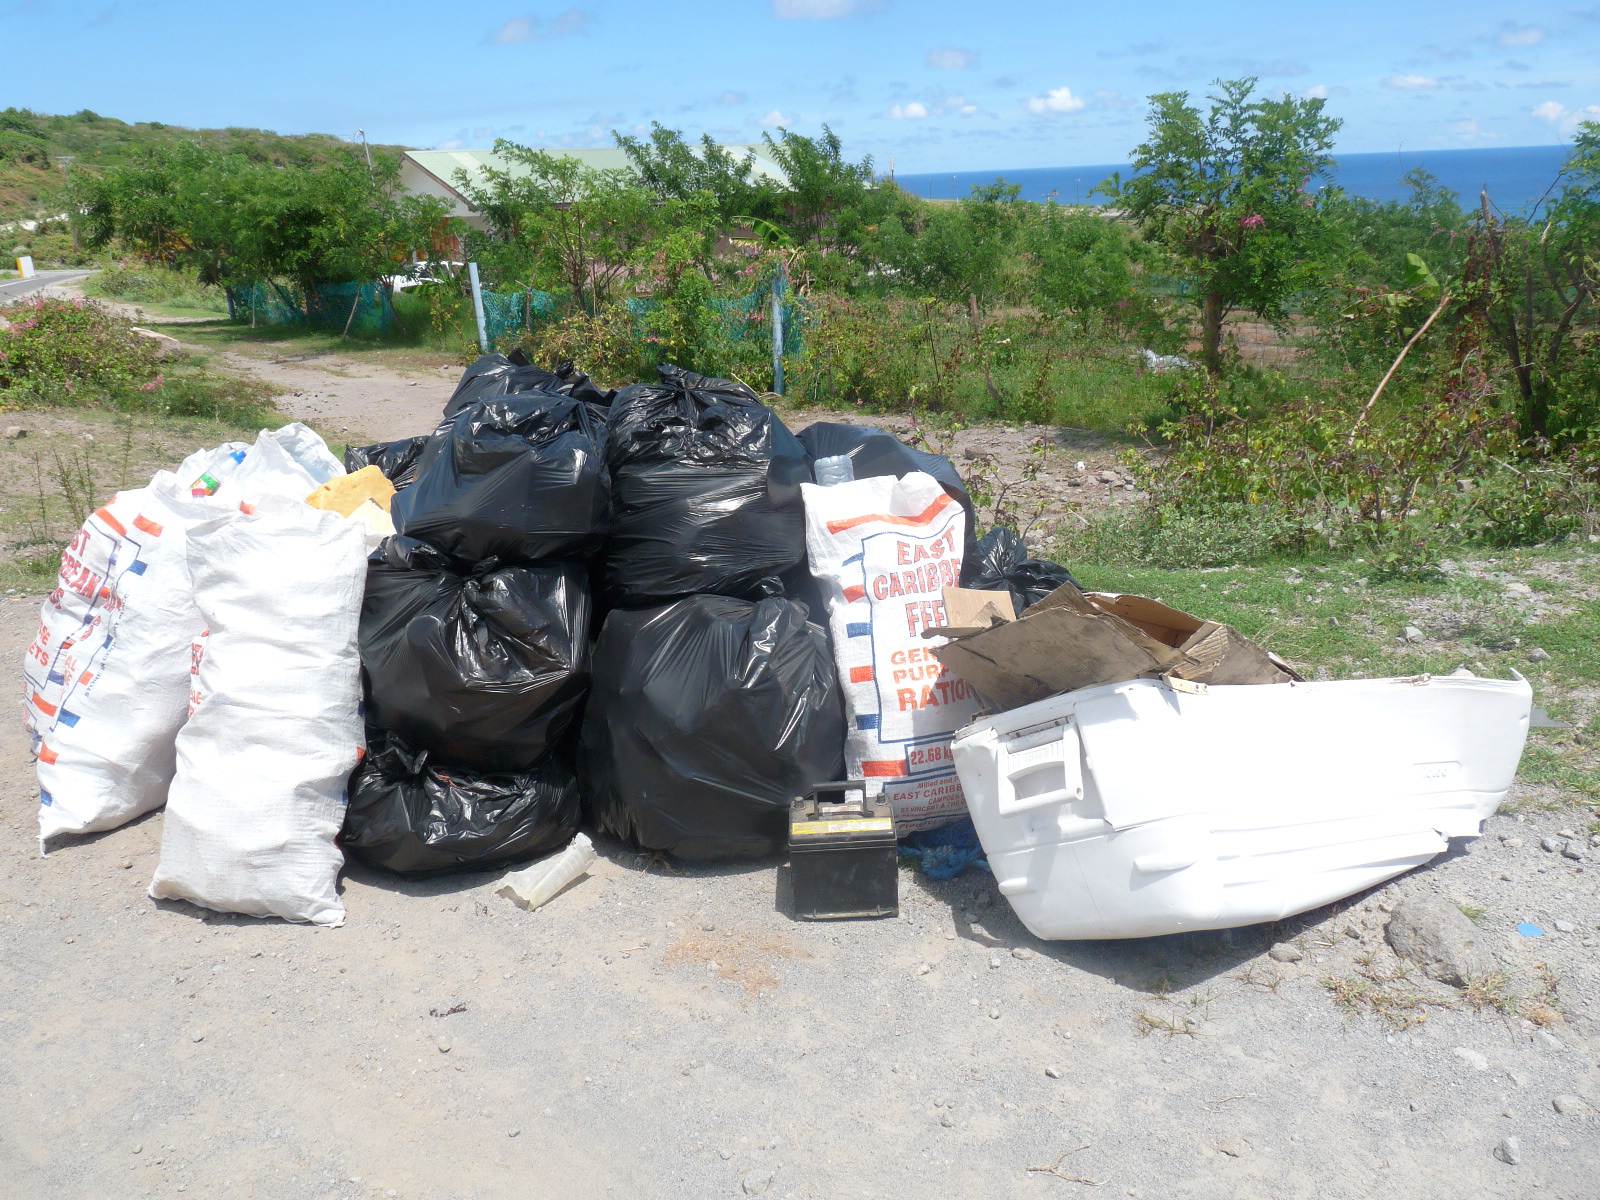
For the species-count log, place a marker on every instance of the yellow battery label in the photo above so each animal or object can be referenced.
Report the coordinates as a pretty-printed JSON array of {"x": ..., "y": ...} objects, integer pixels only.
[{"x": 858, "y": 825}]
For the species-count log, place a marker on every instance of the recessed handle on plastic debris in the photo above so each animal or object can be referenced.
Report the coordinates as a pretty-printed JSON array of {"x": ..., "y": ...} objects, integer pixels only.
[{"x": 1062, "y": 754}]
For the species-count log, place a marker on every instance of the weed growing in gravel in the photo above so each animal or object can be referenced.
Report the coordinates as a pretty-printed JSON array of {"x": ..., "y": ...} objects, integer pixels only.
[
  {"x": 1392, "y": 997},
  {"x": 1473, "y": 913}
]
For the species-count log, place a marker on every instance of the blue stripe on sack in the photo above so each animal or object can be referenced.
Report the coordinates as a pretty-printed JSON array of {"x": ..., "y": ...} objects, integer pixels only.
[
  {"x": 55, "y": 677},
  {"x": 137, "y": 566},
  {"x": 867, "y": 721},
  {"x": 66, "y": 718},
  {"x": 854, "y": 558},
  {"x": 858, "y": 629},
  {"x": 44, "y": 799}
]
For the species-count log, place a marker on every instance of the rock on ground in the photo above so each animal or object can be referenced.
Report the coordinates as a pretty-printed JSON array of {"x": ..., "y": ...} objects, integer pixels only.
[{"x": 1432, "y": 933}]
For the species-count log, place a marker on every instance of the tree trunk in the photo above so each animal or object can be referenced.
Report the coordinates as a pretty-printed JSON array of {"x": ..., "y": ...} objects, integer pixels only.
[{"x": 1211, "y": 331}]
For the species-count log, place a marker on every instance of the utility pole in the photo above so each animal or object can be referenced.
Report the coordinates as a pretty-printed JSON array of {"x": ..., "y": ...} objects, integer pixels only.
[
  {"x": 777, "y": 331},
  {"x": 367, "y": 150}
]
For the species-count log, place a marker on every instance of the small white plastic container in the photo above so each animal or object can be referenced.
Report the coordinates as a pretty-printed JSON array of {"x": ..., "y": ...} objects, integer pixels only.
[{"x": 1135, "y": 809}]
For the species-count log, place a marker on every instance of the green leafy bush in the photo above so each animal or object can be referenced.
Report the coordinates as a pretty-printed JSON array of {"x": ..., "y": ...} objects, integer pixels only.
[
  {"x": 152, "y": 283},
  {"x": 72, "y": 352}
]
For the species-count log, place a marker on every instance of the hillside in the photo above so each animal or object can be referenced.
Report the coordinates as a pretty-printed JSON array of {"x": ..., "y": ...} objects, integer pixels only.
[{"x": 31, "y": 143}]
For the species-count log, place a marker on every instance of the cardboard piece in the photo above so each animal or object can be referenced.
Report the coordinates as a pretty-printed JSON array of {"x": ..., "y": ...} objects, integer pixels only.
[
  {"x": 1073, "y": 639},
  {"x": 968, "y": 611},
  {"x": 344, "y": 494}
]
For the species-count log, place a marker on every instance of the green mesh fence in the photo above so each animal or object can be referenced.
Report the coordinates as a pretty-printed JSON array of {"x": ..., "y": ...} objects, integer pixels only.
[
  {"x": 513, "y": 312},
  {"x": 264, "y": 302},
  {"x": 362, "y": 308},
  {"x": 749, "y": 318}
]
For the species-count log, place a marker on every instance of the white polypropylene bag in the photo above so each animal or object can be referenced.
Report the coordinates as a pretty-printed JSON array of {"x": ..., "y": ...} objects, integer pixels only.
[
  {"x": 884, "y": 550},
  {"x": 259, "y": 794},
  {"x": 115, "y": 689},
  {"x": 291, "y": 461},
  {"x": 106, "y": 678}
]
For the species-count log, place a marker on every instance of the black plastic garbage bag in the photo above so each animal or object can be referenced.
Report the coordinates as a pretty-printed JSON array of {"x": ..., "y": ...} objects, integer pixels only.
[
  {"x": 521, "y": 478},
  {"x": 397, "y": 460},
  {"x": 708, "y": 716},
  {"x": 411, "y": 815},
  {"x": 486, "y": 670},
  {"x": 1000, "y": 562},
  {"x": 500, "y": 375},
  {"x": 705, "y": 485},
  {"x": 874, "y": 452}
]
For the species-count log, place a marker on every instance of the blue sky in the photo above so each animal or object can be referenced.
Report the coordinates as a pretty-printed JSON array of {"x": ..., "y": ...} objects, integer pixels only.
[{"x": 933, "y": 84}]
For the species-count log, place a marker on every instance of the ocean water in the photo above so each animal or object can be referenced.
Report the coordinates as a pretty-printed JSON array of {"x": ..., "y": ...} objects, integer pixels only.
[{"x": 1515, "y": 176}]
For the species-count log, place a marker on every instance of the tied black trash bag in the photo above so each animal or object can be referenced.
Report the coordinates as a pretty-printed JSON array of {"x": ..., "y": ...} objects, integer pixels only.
[
  {"x": 1000, "y": 562},
  {"x": 705, "y": 492},
  {"x": 487, "y": 670},
  {"x": 874, "y": 452},
  {"x": 410, "y": 815},
  {"x": 520, "y": 478},
  {"x": 499, "y": 375},
  {"x": 397, "y": 460},
  {"x": 708, "y": 716}
]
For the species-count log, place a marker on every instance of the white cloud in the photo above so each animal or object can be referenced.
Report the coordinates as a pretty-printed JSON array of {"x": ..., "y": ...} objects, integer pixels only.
[
  {"x": 1318, "y": 92},
  {"x": 1563, "y": 118},
  {"x": 959, "y": 104},
  {"x": 1056, "y": 100},
  {"x": 732, "y": 98},
  {"x": 1467, "y": 130},
  {"x": 454, "y": 143},
  {"x": 1520, "y": 35},
  {"x": 774, "y": 119},
  {"x": 907, "y": 112},
  {"x": 1411, "y": 83},
  {"x": 533, "y": 28},
  {"x": 821, "y": 10},
  {"x": 951, "y": 58}
]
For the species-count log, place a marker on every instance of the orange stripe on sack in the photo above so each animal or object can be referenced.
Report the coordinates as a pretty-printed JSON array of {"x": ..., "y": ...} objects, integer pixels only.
[
  {"x": 149, "y": 526},
  {"x": 884, "y": 766},
  {"x": 85, "y": 677},
  {"x": 43, "y": 705},
  {"x": 922, "y": 518},
  {"x": 860, "y": 674},
  {"x": 852, "y": 594},
  {"x": 117, "y": 526},
  {"x": 46, "y": 755}
]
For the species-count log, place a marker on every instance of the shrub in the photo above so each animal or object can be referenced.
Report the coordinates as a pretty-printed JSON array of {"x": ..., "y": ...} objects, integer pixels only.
[
  {"x": 72, "y": 351},
  {"x": 152, "y": 283}
]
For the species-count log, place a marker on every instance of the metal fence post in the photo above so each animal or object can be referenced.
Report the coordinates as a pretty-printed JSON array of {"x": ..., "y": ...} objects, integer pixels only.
[
  {"x": 477, "y": 307},
  {"x": 777, "y": 332}
]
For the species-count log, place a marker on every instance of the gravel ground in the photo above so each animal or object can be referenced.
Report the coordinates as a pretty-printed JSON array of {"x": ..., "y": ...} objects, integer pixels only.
[{"x": 668, "y": 1032}]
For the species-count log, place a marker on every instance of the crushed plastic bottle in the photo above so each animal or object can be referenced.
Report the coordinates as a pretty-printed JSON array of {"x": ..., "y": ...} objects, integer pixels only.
[
  {"x": 836, "y": 468},
  {"x": 532, "y": 887}
]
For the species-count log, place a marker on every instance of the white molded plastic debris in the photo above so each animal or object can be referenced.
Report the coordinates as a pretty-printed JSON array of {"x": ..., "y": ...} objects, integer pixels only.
[
  {"x": 531, "y": 887},
  {"x": 1134, "y": 809}
]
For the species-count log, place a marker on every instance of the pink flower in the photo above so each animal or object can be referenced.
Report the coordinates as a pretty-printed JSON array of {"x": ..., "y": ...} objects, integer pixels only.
[{"x": 1253, "y": 221}]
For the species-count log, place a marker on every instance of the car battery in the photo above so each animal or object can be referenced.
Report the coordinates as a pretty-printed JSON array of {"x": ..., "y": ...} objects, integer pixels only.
[{"x": 842, "y": 856}]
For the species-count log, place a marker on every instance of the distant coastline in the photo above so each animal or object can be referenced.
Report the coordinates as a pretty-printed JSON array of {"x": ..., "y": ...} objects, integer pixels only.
[{"x": 1515, "y": 176}]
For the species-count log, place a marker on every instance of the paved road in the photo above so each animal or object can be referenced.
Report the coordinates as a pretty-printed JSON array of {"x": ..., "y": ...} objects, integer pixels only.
[{"x": 11, "y": 289}]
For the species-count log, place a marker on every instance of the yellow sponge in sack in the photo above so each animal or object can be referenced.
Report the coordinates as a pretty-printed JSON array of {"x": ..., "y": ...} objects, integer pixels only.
[{"x": 346, "y": 493}]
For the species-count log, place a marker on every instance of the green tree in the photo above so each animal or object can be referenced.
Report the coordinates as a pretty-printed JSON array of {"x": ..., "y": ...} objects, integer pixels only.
[
  {"x": 672, "y": 169},
  {"x": 1084, "y": 264},
  {"x": 1535, "y": 282},
  {"x": 824, "y": 187},
  {"x": 1224, "y": 192},
  {"x": 554, "y": 221},
  {"x": 955, "y": 251}
]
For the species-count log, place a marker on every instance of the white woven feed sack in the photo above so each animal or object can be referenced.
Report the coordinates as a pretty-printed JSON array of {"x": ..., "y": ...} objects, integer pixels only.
[
  {"x": 291, "y": 461},
  {"x": 884, "y": 550},
  {"x": 104, "y": 699},
  {"x": 259, "y": 793},
  {"x": 106, "y": 683}
]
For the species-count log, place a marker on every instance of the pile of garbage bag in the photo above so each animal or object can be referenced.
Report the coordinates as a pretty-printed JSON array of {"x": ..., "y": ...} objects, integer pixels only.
[{"x": 561, "y": 606}]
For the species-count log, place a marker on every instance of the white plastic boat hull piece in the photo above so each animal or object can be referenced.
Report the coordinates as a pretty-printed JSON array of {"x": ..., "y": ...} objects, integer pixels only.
[{"x": 1134, "y": 809}]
